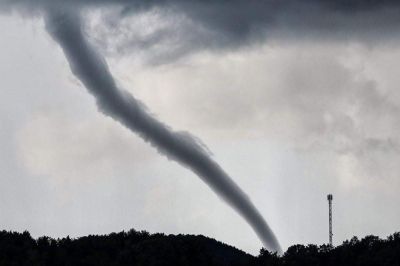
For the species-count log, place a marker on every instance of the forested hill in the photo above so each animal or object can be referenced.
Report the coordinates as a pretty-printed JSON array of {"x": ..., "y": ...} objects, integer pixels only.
[
  {"x": 124, "y": 248},
  {"x": 142, "y": 248}
]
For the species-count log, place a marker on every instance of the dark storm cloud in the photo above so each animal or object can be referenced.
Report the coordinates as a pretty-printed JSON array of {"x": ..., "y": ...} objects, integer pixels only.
[
  {"x": 89, "y": 67},
  {"x": 194, "y": 25},
  {"x": 191, "y": 26}
]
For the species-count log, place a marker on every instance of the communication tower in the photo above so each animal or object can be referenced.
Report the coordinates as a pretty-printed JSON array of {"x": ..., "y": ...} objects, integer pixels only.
[{"x": 330, "y": 198}]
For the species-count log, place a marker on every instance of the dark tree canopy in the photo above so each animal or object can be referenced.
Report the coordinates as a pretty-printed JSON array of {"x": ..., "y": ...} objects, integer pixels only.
[{"x": 141, "y": 248}]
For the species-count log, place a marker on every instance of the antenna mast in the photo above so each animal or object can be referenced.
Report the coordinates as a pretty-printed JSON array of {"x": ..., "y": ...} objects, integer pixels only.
[{"x": 330, "y": 198}]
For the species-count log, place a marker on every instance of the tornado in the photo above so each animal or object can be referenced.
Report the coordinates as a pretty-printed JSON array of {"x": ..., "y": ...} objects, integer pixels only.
[{"x": 65, "y": 27}]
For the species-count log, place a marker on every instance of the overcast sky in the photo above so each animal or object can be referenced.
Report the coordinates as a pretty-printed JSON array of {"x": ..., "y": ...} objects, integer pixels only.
[{"x": 292, "y": 111}]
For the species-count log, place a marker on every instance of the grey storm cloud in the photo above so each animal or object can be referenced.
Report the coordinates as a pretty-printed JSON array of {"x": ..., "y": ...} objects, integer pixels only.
[{"x": 194, "y": 25}]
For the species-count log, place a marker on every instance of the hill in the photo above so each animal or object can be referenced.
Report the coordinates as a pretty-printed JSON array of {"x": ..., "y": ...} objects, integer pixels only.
[
  {"x": 124, "y": 248},
  {"x": 141, "y": 248}
]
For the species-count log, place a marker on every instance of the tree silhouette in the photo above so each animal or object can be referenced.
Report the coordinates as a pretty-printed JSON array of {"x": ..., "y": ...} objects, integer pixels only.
[{"x": 141, "y": 248}]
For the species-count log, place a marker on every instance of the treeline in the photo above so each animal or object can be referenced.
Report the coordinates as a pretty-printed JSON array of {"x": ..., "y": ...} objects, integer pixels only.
[
  {"x": 124, "y": 248},
  {"x": 369, "y": 251},
  {"x": 141, "y": 248}
]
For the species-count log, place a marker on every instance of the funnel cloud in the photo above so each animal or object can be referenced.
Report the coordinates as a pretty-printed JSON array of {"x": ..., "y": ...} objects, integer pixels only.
[{"x": 92, "y": 70}]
